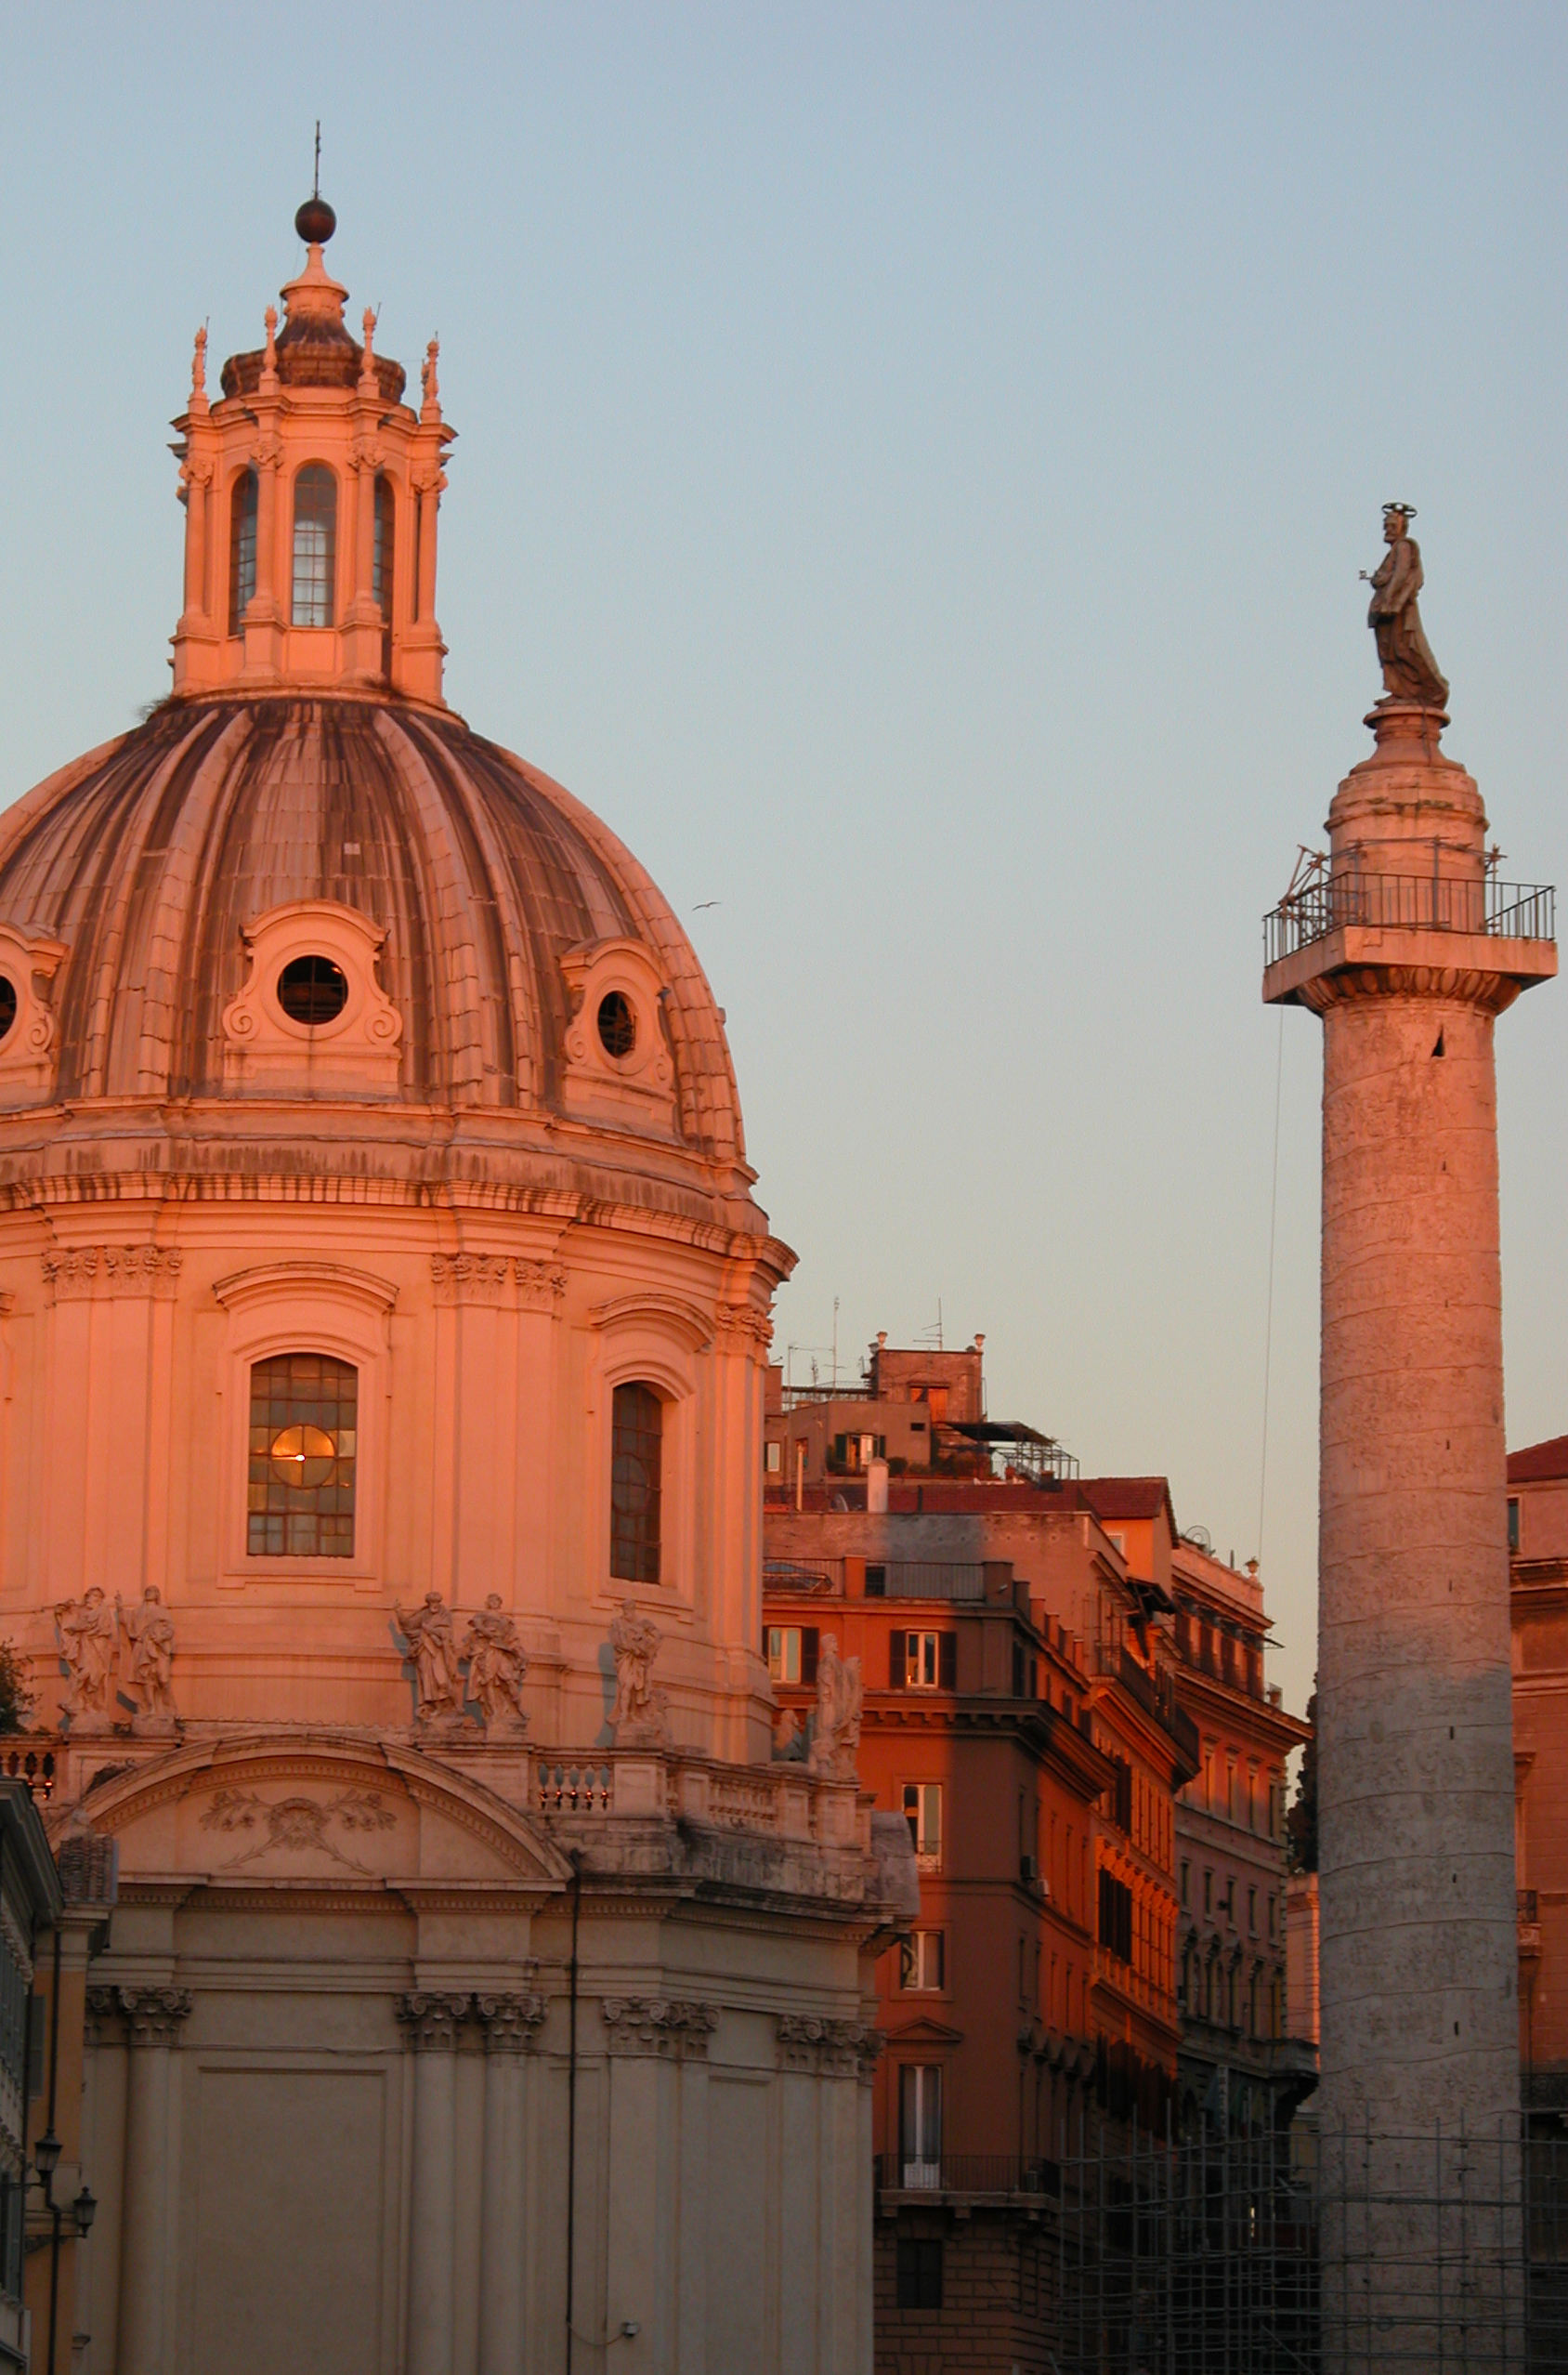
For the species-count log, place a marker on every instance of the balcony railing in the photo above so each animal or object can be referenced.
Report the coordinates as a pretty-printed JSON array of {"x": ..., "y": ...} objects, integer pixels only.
[
  {"x": 1328, "y": 902},
  {"x": 1155, "y": 1694},
  {"x": 967, "y": 2172}
]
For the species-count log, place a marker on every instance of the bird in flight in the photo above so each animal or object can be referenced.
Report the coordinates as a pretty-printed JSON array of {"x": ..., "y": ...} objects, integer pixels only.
[{"x": 706, "y": 902}]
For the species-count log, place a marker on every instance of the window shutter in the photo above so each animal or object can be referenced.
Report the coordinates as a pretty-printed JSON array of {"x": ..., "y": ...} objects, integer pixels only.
[
  {"x": 896, "y": 1662},
  {"x": 810, "y": 1635},
  {"x": 947, "y": 1660}
]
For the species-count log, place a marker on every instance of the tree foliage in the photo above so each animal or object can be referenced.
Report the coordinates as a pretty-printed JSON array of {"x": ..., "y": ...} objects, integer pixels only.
[
  {"x": 16, "y": 1696},
  {"x": 1301, "y": 1823}
]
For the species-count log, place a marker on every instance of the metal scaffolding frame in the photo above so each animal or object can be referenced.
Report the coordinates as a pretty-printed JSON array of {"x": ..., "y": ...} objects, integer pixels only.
[{"x": 1313, "y": 2253}]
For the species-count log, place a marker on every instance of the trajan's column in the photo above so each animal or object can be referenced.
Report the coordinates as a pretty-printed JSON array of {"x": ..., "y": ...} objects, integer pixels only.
[{"x": 1407, "y": 945}]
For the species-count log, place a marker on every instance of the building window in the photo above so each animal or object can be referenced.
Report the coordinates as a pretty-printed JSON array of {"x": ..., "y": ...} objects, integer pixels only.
[
  {"x": 1253, "y": 1912},
  {"x": 919, "y": 2123},
  {"x": 773, "y": 1459},
  {"x": 922, "y": 1661},
  {"x": 876, "y": 1582},
  {"x": 12, "y": 2202},
  {"x": 315, "y": 547},
  {"x": 922, "y": 1812},
  {"x": 791, "y": 1653},
  {"x": 304, "y": 1440},
  {"x": 920, "y": 2272},
  {"x": 1513, "y": 1525},
  {"x": 1273, "y": 1902},
  {"x": 382, "y": 550},
  {"x": 1186, "y": 1879},
  {"x": 1115, "y": 1916},
  {"x": 635, "y": 1468},
  {"x": 1208, "y": 1892},
  {"x": 853, "y": 1451},
  {"x": 242, "y": 549},
  {"x": 922, "y": 1964}
]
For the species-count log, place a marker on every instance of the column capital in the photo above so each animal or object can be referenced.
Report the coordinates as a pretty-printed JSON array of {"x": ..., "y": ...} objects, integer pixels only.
[
  {"x": 659, "y": 2025},
  {"x": 432, "y": 2020},
  {"x": 153, "y": 2016},
  {"x": 830, "y": 2048},
  {"x": 511, "y": 2022}
]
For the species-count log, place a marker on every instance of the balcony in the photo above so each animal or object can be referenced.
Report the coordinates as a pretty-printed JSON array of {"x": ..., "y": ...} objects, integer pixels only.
[
  {"x": 1155, "y": 1694},
  {"x": 967, "y": 2172},
  {"x": 1332, "y": 902}
]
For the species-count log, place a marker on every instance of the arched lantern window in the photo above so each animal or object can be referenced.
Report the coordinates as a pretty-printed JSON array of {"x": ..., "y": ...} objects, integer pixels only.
[
  {"x": 242, "y": 549},
  {"x": 382, "y": 567},
  {"x": 636, "y": 1483},
  {"x": 315, "y": 545}
]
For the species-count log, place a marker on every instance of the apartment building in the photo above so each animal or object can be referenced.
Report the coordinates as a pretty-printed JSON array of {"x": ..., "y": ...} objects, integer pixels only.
[
  {"x": 1538, "y": 1596},
  {"x": 1242, "y": 2068}
]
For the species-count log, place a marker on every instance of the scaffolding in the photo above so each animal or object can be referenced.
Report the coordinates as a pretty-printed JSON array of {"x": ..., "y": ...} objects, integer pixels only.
[{"x": 1313, "y": 2252}]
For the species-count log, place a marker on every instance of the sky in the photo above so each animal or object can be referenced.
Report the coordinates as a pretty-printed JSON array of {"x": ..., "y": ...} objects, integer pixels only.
[{"x": 914, "y": 466}]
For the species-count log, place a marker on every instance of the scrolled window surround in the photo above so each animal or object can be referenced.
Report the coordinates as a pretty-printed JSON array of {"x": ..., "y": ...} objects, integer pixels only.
[{"x": 357, "y": 1050}]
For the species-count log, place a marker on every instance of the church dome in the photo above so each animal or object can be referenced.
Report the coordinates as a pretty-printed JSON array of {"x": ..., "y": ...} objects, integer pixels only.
[{"x": 495, "y": 903}]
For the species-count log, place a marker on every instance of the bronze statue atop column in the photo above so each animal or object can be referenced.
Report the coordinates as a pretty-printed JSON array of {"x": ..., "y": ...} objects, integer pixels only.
[{"x": 1409, "y": 671}]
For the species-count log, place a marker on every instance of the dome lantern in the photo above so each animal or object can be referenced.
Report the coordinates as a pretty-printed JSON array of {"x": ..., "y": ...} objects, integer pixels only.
[{"x": 311, "y": 492}]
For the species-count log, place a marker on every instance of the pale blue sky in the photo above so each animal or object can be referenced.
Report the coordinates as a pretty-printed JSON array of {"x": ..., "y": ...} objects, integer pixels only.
[{"x": 914, "y": 468}]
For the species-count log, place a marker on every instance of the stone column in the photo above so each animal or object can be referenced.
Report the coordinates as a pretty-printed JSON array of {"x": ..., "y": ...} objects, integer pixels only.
[
  {"x": 432, "y": 2022},
  {"x": 511, "y": 2024},
  {"x": 646, "y": 2241},
  {"x": 263, "y": 618},
  {"x": 153, "y": 2017}
]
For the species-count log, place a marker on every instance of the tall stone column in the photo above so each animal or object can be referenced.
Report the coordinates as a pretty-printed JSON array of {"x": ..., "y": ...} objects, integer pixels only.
[
  {"x": 1407, "y": 953},
  {"x": 432, "y": 2023},
  {"x": 511, "y": 2024},
  {"x": 153, "y": 2017}
]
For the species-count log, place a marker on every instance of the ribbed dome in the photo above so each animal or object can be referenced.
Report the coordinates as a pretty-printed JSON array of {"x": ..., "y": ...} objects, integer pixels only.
[{"x": 147, "y": 858}]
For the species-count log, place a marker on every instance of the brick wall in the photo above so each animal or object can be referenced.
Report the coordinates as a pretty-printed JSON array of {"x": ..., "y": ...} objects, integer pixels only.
[{"x": 998, "y": 2283}]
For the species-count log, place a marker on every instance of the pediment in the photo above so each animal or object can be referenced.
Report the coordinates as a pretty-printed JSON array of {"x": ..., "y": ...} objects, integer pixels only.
[
  {"x": 924, "y": 2031},
  {"x": 280, "y": 1808}
]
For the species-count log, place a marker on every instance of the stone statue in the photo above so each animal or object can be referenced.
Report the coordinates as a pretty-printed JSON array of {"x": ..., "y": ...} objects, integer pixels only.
[
  {"x": 839, "y": 1697},
  {"x": 1409, "y": 671},
  {"x": 151, "y": 1632},
  {"x": 497, "y": 1663},
  {"x": 88, "y": 1631},
  {"x": 199, "y": 364},
  {"x": 428, "y": 1633},
  {"x": 269, "y": 353},
  {"x": 430, "y": 385},
  {"x": 639, "y": 1718}
]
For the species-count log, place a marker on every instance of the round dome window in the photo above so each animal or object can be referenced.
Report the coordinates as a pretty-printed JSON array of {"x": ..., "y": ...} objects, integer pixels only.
[
  {"x": 312, "y": 990},
  {"x": 8, "y": 1004},
  {"x": 617, "y": 1024}
]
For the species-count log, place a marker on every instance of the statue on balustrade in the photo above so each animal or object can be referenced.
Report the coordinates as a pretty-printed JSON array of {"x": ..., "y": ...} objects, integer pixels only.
[
  {"x": 639, "y": 1718},
  {"x": 88, "y": 1632},
  {"x": 428, "y": 1632},
  {"x": 497, "y": 1663},
  {"x": 840, "y": 1693},
  {"x": 150, "y": 1630}
]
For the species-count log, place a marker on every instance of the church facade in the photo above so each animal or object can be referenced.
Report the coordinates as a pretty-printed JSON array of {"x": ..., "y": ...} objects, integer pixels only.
[{"x": 384, "y": 1309}]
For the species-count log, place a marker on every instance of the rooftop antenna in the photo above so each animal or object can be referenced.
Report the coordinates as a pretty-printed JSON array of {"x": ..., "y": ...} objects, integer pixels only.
[
  {"x": 835, "y": 1339},
  {"x": 315, "y": 184}
]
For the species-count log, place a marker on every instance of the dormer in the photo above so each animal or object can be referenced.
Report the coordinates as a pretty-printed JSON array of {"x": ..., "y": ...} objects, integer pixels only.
[{"x": 311, "y": 492}]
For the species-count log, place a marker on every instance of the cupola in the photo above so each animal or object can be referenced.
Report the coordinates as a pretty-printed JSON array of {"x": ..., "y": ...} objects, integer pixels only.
[{"x": 311, "y": 492}]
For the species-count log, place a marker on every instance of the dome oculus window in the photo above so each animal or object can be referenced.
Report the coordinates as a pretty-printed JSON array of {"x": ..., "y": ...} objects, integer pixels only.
[
  {"x": 8, "y": 1004},
  {"x": 303, "y": 1444},
  {"x": 617, "y": 1024},
  {"x": 315, "y": 547},
  {"x": 636, "y": 1464},
  {"x": 312, "y": 990},
  {"x": 242, "y": 549}
]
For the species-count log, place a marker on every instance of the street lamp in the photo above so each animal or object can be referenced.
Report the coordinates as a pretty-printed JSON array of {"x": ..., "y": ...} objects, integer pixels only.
[
  {"x": 86, "y": 2207},
  {"x": 46, "y": 2157}
]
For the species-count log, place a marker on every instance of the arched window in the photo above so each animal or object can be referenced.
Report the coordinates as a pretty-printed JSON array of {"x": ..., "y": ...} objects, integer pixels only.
[
  {"x": 315, "y": 545},
  {"x": 242, "y": 549},
  {"x": 382, "y": 567},
  {"x": 636, "y": 1466},
  {"x": 304, "y": 1438}
]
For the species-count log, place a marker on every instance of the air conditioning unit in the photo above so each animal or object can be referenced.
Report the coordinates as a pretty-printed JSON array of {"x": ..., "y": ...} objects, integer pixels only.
[{"x": 1028, "y": 1871}]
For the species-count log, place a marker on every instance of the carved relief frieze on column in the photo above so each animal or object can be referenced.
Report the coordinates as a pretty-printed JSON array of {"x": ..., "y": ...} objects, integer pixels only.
[
  {"x": 737, "y": 1325},
  {"x": 541, "y": 1285},
  {"x": 658, "y": 2026},
  {"x": 470, "y": 1278},
  {"x": 829, "y": 2048},
  {"x": 432, "y": 2021},
  {"x": 154, "y": 2016},
  {"x": 511, "y": 2022},
  {"x": 105, "y": 2023},
  {"x": 86, "y": 1270}
]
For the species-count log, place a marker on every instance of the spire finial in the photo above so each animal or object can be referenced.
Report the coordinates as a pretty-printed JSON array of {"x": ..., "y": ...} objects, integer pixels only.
[{"x": 315, "y": 221}]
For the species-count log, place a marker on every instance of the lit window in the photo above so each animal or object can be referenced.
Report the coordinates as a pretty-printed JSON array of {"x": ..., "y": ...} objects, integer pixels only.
[
  {"x": 922, "y": 1812},
  {"x": 791, "y": 1653},
  {"x": 304, "y": 1438},
  {"x": 919, "y": 2123},
  {"x": 920, "y": 1654},
  {"x": 315, "y": 547},
  {"x": 242, "y": 549},
  {"x": 921, "y": 1962},
  {"x": 636, "y": 1466}
]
